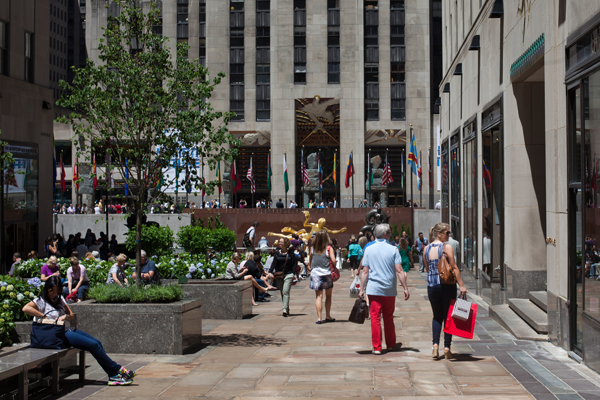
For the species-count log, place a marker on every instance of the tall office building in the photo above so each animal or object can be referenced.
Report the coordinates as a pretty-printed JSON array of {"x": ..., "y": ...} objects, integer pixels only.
[
  {"x": 321, "y": 79},
  {"x": 26, "y": 123}
]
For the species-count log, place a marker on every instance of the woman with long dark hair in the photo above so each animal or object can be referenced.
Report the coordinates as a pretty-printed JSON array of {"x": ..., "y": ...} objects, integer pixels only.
[
  {"x": 440, "y": 294},
  {"x": 51, "y": 305}
]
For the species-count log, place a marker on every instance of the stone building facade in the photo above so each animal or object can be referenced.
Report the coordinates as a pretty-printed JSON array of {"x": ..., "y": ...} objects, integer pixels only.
[
  {"x": 26, "y": 115},
  {"x": 519, "y": 181},
  {"x": 318, "y": 78}
]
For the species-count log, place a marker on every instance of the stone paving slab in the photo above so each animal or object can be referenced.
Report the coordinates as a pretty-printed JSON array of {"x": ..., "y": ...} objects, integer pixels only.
[{"x": 270, "y": 357}]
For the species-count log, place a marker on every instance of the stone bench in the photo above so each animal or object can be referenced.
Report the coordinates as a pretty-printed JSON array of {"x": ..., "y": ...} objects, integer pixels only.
[{"x": 19, "y": 363}]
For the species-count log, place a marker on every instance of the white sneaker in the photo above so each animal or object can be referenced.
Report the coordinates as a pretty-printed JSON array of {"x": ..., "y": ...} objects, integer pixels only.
[{"x": 376, "y": 352}]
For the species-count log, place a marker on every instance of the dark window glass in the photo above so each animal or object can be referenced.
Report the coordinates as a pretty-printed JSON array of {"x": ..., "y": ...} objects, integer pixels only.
[
  {"x": 333, "y": 36},
  {"x": 371, "y": 31},
  {"x": 333, "y": 3},
  {"x": 237, "y": 6},
  {"x": 397, "y": 4},
  {"x": 66, "y": 149},
  {"x": 372, "y": 109},
  {"x": 371, "y": 41},
  {"x": 263, "y": 5},
  {"x": 29, "y": 57},
  {"x": 299, "y": 4},
  {"x": 263, "y": 73},
  {"x": 300, "y": 77},
  {"x": 3, "y": 48},
  {"x": 333, "y": 72},
  {"x": 397, "y": 40},
  {"x": 397, "y": 72}
]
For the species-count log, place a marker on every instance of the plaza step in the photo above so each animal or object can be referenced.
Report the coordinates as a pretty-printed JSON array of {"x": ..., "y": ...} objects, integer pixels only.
[
  {"x": 540, "y": 299},
  {"x": 530, "y": 313},
  {"x": 513, "y": 323}
]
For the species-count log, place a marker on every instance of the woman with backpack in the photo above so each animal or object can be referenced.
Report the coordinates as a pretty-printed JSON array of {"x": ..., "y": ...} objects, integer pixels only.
[
  {"x": 441, "y": 289},
  {"x": 355, "y": 253}
]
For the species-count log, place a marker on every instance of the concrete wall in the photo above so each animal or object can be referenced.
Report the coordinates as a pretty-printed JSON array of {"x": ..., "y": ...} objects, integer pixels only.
[{"x": 424, "y": 220}]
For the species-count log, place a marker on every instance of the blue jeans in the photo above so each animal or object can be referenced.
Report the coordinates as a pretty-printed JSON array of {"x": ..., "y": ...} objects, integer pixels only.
[
  {"x": 83, "y": 341},
  {"x": 594, "y": 269},
  {"x": 439, "y": 298},
  {"x": 81, "y": 292},
  {"x": 257, "y": 294}
]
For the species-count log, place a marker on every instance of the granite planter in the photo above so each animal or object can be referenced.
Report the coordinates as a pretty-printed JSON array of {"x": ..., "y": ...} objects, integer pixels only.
[
  {"x": 143, "y": 328},
  {"x": 221, "y": 299}
]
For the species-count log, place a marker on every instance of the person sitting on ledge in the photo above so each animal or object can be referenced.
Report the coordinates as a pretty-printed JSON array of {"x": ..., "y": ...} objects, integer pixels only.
[
  {"x": 117, "y": 271},
  {"x": 232, "y": 273},
  {"x": 149, "y": 272},
  {"x": 50, "y": 304},
  {"x": 77, "y": 279},
  {"x": 50, "y": 269}
]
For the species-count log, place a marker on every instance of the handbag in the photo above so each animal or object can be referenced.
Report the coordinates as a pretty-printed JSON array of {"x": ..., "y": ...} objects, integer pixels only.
[
  {"x": 359, "y": 312},
  {"x": 462, "y": 308},
  {"x": 355, "y": 287},
  {"x": 48, "y": 334},
  {"x": 335, "y": 273},
  {"x": 457, "y": 327},
  {"x": 445, "y": 270}
]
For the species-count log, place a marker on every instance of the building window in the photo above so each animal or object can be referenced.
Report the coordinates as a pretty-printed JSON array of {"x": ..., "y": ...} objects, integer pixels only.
[
  {"x": 182, "y": 19},
  {"x": 63, "y": 148},
  {"x": 263, "y": 60},
  {"x": 371, "y": 41},
  {"x": 333, "y": 43},
  {"x": 29, "y": 57},
  {"x": 236, "y": 59},
  {"x": 299, "y": 41},
  {"x": 3, "y": 48},
  {"x": 157, "y": 27},
  {"x": 333, "y": 72},
  {"x": 372, "y": 109}
]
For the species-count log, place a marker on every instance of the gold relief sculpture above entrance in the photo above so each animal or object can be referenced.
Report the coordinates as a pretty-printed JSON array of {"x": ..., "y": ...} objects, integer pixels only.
[
  {"x": 314, "y": 228},
  {"x": 317, "y": 122},
  {"x": 379, "y": 135}
]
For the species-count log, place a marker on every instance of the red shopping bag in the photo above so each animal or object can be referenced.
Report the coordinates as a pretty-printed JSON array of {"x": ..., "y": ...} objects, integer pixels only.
[{"x": 457, "y": 327}]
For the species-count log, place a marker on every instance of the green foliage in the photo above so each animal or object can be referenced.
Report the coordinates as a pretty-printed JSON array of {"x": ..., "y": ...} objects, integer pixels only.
[
  {"x": 14, "y": 294},
  {"x": 156, "y": 240},
  {"x": 194, "y": 239},
  {"x": 136, "y": 294},
  {"x": 395, "y": 231},
  {"x": 222, "y": 239}
]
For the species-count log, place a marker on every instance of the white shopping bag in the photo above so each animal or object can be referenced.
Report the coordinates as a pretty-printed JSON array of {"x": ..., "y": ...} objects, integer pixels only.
[
  {"x": 355, "y": 287},
  {"x": 462, "y": 309}
]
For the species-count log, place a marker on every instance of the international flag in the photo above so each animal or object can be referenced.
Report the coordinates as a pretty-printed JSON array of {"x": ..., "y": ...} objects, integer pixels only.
[
  {"x": 250, "y": 176},
  {"x": 53, "y": 166},
  {"x": 126, "y": 178},
  {"x": 285, "y": 174},
  {"x": 349, "y": 170},
  {"x": 320, "y": 173},
  {"x": 402, "y": 170},
  {"x": 334, "y": 169},
  {"x": 413, "y": 158},
  {"x": 420, "y": 177},
  {"x": 95, "y": 184},
  {"x": 75, "y": 175},
  {"x": 219, "y": 176},
  {"x": 487, "y": 177},
  {"x": 387, "y": 172},
  {"x": 269, "y": 172},
  {"x": 303, "y": 170},
  {"x": 237, "y": 182},
  {"x": 369, "y": 170},
  {"x": 10, "y": 178},
  {"x": 188, "y": 185},
  {"x": 63, "y": 183},
  {"x": 430, "y": 171}
]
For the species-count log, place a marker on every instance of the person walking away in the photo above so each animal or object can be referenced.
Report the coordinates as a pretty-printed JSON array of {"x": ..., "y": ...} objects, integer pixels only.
[
  {"x": 320, "y": 274},
  {"x": 403, "y": 249},
  {"x": 279, "y": 204},
  {"x": 440, "y": 294},
  {"x": 455, "y": 247},
  {"x": 382, "y": 268},
  {"x": 282, "y": 268},
  {"x": 355, "y": 253},
  {"x": 420, "y": 245},
  {"x": 250, "y": 237},
  {"x": 51, "y": 305}
]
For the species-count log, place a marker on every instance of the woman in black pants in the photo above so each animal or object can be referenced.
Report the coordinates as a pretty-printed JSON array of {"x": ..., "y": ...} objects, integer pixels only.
[{"x": 440, "y": 294}]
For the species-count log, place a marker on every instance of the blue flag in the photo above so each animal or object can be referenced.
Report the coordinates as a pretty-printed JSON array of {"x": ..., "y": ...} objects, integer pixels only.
[
  {"x": 126, "y": 178},
  {"x": 413, "y": 159}
]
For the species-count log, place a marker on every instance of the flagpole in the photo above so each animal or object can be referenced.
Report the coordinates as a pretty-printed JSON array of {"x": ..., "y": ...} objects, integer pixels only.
[
  {"x": 411, "y": 176},
  {"x": 335, "y": 180},
  {"x": 369, "y": 194},
  {"x": 61, "y": 179},
  {"x": 220, "y": 183},
  {"x": 421, "y": 179},
  {"x": 302, "y": 173},
  {"x": 352, "y": 155},
  {"x": 268, "y": 174},
  {"x": 252, "y": 178}
]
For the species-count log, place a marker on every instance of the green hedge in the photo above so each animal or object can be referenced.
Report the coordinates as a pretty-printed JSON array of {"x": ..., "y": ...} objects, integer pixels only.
[
  {"x": 156, "y": 240},
  {"x": 197, "y": 239},
  {"x": 136, "y": 294}
]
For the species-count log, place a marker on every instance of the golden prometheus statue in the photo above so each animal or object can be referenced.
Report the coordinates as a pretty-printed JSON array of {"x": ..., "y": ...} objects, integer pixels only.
[{"x": 314, "y": 228}]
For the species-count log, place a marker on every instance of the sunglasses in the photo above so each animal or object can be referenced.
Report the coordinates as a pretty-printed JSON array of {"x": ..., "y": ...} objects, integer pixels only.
[{"x": 447, "y": 233}]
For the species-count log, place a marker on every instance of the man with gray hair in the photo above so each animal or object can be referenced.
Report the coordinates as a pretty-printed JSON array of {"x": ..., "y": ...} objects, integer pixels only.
[
  {"x": 149, "y": 272},
  {"x": 382, "y": 266}
]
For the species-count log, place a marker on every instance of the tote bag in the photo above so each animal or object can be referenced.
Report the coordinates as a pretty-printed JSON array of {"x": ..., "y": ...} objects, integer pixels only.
[
  {"x": 48, "y": 334},
  {"x": 458, "y": 327},
  {"x": 359, "y": 312}
]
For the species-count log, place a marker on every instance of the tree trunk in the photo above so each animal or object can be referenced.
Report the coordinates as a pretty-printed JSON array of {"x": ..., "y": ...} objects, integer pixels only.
[{"x": 138, "y": 241}]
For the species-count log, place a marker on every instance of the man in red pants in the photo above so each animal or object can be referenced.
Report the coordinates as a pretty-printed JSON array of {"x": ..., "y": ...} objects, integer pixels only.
[{"x": 382, "y": 266}]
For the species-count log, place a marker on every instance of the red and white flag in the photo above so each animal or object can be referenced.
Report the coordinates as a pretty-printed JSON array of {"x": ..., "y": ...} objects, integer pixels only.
[
  {"x": 250, "y": 176},
  {"x": 303, "y": 170},
  {"x": 387, "y": 173}
]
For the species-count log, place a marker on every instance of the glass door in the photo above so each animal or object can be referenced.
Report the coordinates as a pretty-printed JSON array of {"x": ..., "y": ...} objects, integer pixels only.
[
  {"x": 493, "y": 211},
  {"x": 455, "y": 204},
  {"x": 577, "y": 256}
]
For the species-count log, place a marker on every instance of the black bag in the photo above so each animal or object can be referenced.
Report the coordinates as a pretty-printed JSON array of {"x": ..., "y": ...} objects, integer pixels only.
[
  {"x": 359, "y": 312},
  {"x": 279, "y": 274},
  {"x": 49, "y": 335},
  {"x": 246, "y": 240}
]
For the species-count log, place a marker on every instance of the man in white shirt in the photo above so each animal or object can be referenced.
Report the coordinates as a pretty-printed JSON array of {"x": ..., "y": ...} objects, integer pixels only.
[
  {"x": 438, "y": 205},
  {"x": 71, "y": 209},
  {"x": 251, "y": 232}
]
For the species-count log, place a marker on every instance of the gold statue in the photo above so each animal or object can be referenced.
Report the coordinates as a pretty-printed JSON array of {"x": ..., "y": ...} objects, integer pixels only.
[{"x": 314, "y": 228}]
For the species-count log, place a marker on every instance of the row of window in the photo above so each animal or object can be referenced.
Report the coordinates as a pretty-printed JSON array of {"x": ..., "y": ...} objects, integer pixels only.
[
  {"x": 263, "y": 61},
  {"x": 60, "y": 14},
  {"x": 58, "y": 29},
  {"x": 58, "y": 45},
  {"x": 236, "y": 59}
]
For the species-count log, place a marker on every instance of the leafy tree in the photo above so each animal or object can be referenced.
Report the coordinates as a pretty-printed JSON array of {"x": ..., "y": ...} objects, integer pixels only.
[
  {"x": 148, "y": 111},
  {"x": 156, "y": 240}
]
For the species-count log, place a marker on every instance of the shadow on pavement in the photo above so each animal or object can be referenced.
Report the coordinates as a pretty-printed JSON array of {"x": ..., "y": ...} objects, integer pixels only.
[
  {"x": 241, "y": 340},
  {"x": 465, "y": 357}
]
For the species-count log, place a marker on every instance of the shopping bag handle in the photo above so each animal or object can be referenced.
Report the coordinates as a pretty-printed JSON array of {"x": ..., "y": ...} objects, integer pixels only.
[{"x": 463, "y": 296}]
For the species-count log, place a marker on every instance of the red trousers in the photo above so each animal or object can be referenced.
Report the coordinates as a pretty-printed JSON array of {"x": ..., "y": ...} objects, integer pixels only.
[{"x": 382, "y": 305}]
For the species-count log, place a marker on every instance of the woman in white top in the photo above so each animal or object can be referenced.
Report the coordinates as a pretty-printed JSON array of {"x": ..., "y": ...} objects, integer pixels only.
[
  {"x": 117, "y": 271},
  {"x": 77, "y": 279},
  {"x": 320, "y": 274},
  {"x": 51, "y": 305}
]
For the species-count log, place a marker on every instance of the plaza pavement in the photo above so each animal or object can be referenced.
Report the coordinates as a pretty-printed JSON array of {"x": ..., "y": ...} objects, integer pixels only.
[{"x": 269, "y": 356}]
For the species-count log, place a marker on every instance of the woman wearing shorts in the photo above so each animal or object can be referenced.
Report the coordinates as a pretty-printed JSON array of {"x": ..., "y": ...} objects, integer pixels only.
[{"x": 320, "y": 274}]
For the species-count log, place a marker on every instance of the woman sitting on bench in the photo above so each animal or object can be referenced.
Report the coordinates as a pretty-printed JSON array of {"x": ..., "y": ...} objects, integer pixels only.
[{"x": 50, "y": 304}]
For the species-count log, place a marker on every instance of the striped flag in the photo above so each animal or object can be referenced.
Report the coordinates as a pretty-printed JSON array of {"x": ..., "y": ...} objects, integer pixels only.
[
  {"x": 75, "y": 175},
  {"x": 413, "y": 158},
  {"x": 94, "y": 172},
  {"x": 334, "y": 170},
  {"x": 369, "y": 170},
  {"x": 419, "y": 176},
  {"x": 237, "y": 182},
  {"x": 219, "y": 177},
  {"x": 269, "y": 172},
  {"x": 285, "y": 174},
  {"x": 387, "y": 173},
  {"x": 303, "y": 170},
  {"x": 63, "y": 183},
  {"x": 250, "y": 176},
  {"x": 349, "y": 171}
]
